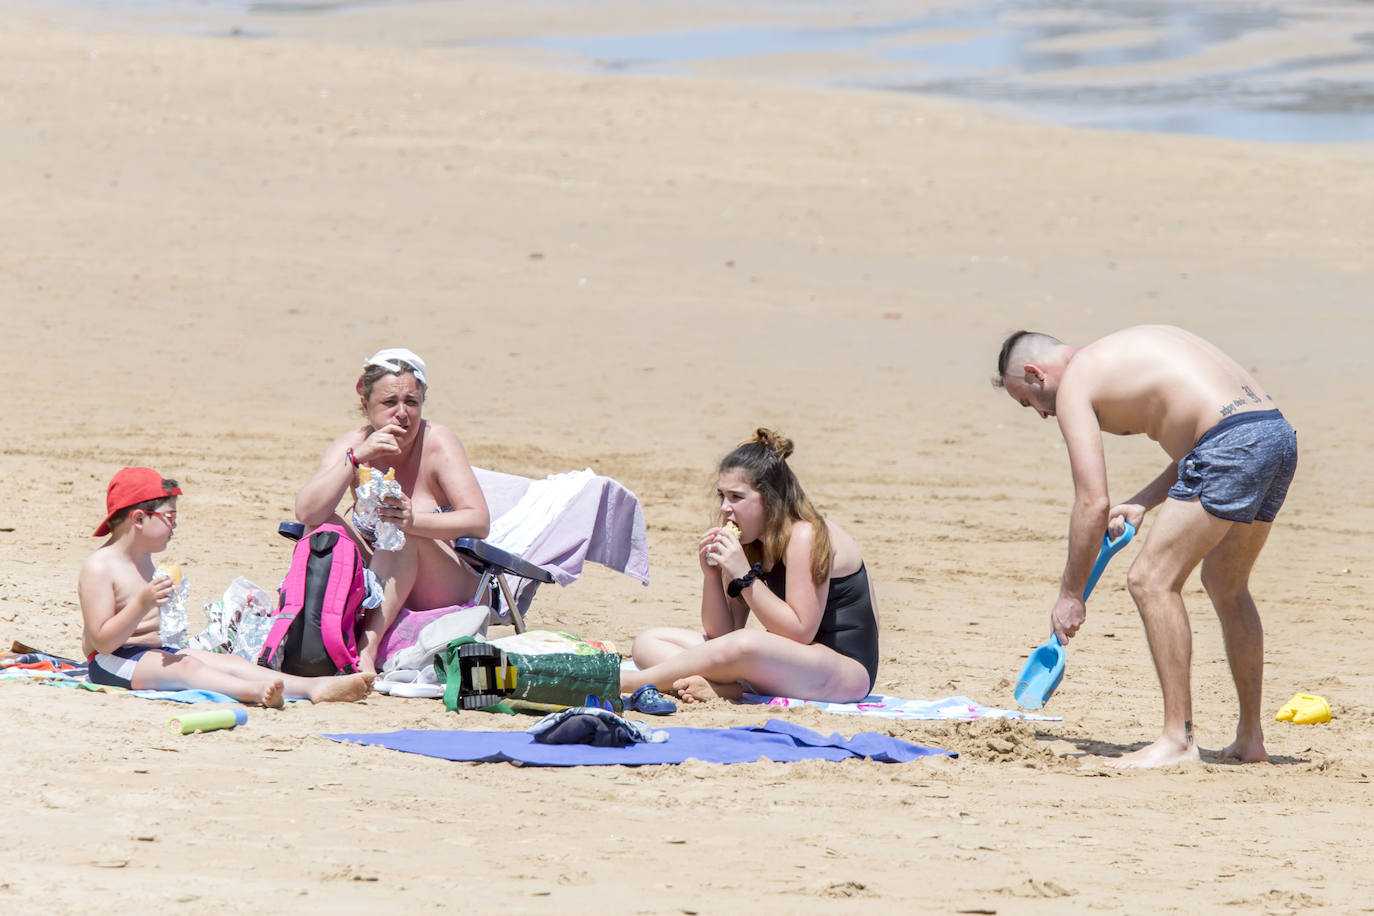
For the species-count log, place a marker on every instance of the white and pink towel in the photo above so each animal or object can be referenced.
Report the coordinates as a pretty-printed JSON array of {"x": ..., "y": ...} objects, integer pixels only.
[
  {"x": 950, "y": 708},
  {"x": 563, "y": 522}
]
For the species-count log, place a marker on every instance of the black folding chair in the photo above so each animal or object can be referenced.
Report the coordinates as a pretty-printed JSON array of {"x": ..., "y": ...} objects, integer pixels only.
[{"x": 493, "y": 565}]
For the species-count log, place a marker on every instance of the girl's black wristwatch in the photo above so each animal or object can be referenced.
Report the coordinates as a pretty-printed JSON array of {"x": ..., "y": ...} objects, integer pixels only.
[{"x": 738, "y": 585}]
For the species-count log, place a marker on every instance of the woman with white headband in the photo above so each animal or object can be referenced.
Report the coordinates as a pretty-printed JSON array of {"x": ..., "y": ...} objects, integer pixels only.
[{"x": 433, "y": 472}]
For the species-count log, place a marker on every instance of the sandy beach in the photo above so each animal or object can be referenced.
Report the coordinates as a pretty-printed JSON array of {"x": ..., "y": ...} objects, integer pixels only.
[{"x": 203, "y": 238}]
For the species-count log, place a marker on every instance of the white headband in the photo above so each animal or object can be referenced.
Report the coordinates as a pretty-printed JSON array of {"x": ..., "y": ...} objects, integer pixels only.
[{"x": 399, "y": 360}]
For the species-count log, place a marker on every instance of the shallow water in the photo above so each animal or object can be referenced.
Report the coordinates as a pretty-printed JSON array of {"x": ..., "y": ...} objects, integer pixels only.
[
  {"x": 1085, "y": 63},
  {"x": 1283, "y": 70}
]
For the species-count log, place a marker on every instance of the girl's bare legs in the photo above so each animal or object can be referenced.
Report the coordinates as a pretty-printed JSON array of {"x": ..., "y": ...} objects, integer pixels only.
[
  {"x": 771, "y": 664},
  {"x": 697, "y": 689},
  {"x": 658, "y": 644}
]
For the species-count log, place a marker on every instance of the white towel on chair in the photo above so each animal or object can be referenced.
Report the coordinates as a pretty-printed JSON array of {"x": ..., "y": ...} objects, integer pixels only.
[
  {"x": 538, "y": 509},
  {"x": 563, "y": 521}
]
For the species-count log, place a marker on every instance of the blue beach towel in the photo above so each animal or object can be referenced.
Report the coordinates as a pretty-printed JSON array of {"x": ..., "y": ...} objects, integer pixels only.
[
  {"x": 778, "y": 741},
  {"x": 188, "y": 695}
]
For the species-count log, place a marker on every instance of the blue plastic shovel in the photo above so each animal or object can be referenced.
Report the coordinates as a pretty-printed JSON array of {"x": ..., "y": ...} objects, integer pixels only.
[{"x": 1045, "y": 668}]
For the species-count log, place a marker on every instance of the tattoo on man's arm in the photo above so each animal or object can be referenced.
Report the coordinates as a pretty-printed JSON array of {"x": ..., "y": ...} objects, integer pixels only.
[{"x": 1254, "y": 398}]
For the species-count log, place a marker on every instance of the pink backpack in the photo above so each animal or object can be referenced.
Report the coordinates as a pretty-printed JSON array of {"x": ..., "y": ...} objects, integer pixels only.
[{"x": 319, "y": 616}]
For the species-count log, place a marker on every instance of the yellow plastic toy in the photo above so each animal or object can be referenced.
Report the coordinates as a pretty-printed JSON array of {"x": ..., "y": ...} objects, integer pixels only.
[{"x": 1304, "y": 709}]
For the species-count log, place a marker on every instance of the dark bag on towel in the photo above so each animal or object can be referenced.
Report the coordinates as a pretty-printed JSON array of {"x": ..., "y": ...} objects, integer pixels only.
[{"x": 595, "y": 727}]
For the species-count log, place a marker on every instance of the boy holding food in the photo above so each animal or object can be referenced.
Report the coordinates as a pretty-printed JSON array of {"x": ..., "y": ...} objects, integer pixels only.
[{"x": 122, "y": 594}]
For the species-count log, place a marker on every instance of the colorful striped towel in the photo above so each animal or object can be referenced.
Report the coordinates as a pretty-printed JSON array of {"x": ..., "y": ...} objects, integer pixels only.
[{"x": 41, "y": 668}]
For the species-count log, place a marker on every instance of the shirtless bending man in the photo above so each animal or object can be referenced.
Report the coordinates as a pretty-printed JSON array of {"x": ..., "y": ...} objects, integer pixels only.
[{"x": 1232, "y": 456}]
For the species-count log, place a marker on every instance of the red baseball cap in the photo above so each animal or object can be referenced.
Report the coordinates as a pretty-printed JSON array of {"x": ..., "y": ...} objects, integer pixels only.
[{"x": 130, "y": 487}]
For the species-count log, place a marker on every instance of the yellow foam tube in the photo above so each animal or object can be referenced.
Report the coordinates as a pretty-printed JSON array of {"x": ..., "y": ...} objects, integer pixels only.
[{"x": 207, "y": 721}]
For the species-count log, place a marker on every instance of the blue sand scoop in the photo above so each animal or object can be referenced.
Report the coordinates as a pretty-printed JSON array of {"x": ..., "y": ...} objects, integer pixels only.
[{"x": 1045, "y": 668}]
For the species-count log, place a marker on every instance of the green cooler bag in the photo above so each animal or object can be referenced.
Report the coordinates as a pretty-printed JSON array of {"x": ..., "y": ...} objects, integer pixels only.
[{"x": 476, "y": 675}]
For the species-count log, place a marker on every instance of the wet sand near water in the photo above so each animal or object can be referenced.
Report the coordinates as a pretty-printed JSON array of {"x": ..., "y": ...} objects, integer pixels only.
[{"x": 204, "y": 238}]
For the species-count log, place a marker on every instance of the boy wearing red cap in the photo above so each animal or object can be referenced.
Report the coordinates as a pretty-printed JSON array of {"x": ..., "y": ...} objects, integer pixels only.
[{"x": 121, "y": 599}]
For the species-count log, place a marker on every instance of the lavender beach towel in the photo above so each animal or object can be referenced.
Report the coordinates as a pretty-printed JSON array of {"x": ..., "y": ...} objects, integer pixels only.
[{"x": 778, "y": 741}]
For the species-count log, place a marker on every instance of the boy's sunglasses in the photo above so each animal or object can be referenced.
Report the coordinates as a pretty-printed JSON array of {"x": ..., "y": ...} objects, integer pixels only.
[{"x": 169, "y": 517}]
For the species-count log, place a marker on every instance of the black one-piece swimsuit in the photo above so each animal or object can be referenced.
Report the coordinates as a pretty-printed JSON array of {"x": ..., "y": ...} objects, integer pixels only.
[{"x": 848, "y": 624}]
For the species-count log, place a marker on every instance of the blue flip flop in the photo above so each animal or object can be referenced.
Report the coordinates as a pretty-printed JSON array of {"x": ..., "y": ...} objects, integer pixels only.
[
  {"x": 649, "y": 701},
  {"x": 1043, "y": 671}
]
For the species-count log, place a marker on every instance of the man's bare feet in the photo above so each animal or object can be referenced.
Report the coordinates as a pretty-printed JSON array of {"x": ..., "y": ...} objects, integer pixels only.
[
  {"x": 272, "y": 695},
  {"x": 1246, "y": 751},
  {"x": 696, "y": 689},
  {"x": 1163, "y": 753},
  {"x": 344, "y": 688}
]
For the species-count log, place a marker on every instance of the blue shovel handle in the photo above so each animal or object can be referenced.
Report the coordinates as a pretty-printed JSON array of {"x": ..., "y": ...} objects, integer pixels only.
[
  {"x": 1109, "y": 550},
  {"x": 1044, "y": 669}
]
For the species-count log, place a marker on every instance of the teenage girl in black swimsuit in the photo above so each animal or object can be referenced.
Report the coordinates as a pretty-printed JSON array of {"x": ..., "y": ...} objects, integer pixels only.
[{"x": 801, "y": 576}]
